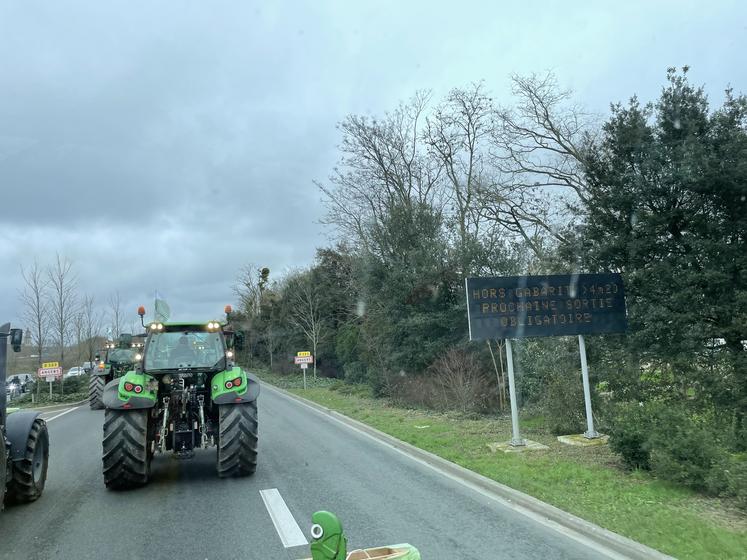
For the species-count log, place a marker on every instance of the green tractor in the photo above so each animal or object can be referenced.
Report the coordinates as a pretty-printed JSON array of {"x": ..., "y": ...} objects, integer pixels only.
[
  {"x": 184, "y": 393},
  {"x": 119, "y": 358},
  {"x": 24, "y": 441}
]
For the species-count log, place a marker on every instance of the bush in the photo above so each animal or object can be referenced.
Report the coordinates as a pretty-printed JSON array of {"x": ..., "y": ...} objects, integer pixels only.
[
  {"x": 736, "y": 475},
  {"x": 417, "y": 391},
  {"x": 728, "y": 478},
  {"x": 670, "y": 441},
  {"x": 563, "y": 404},
  {"x": 355, "y": 372},
  {"x": 629, "y": 431},
  {"x": 460, "y": 383},
  {"x": 681, "y": 449}
]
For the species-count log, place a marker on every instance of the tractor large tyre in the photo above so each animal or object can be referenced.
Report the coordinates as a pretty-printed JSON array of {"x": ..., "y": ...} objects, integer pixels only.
[
  {"x": 30, "y": 473},
  {"x": 127, "y": 453},
  {"x": 237, "y": 439},
  {"x": 96, "y": 392}
]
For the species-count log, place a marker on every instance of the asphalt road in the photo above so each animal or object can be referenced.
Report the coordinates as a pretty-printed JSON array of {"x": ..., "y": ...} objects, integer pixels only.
[{"x": 314, "y": 462}]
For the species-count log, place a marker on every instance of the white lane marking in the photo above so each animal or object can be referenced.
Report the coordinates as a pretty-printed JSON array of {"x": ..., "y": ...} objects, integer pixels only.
[
  {"x": 288, "y": 530},
  {"x": 61, "y": 414}
]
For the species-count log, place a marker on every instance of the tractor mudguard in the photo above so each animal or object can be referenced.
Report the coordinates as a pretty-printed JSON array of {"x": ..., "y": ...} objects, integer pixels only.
[
  {"x": 117, "y": 397},
  {"x": 224, "y": 391},
  {"x": 17, "y": 430}
]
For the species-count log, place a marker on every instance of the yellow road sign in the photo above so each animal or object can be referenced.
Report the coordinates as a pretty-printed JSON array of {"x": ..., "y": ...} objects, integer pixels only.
[
  {"x": 303, "y": 354},
  {"x": 46, "y": 365}
]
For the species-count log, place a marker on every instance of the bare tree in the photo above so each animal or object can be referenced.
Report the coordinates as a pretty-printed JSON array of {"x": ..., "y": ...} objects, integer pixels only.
[
  {"x": 63, "y": 301},
  {"x": 36, "y": 307},
  {"x": 384, "y": 164},
  {"x": 538, "y": 154},
  {"x": 306, "y": 311},
  {"x": 115, "y": 314},
  {"x": 458, "y": 135},
  {"x": 249, "y": 287},
  {"x": 91, "y": 326},
  {"x": 78, "y": 332}
]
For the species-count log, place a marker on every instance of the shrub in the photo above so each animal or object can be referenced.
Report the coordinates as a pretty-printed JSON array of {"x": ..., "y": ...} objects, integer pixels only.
[
  {"x": 629, "y": 431},
  {"x": 681, "y": 449},
  {"x": 460, "y": 383},
  {"x": 736, "y": 475},
  {"x": 728, "y": 478},
  {"x": 670, "y": 441},
  {"x": 417, "y": 391},
  {"x": 355, "y": 372},
  {"x": 563, "y": 404}
]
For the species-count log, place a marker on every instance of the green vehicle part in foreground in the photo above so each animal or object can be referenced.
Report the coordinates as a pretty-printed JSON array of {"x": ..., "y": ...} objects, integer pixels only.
[
  {"x": 24, "y": 440},
  {"x": 119, "y": 358},
  {"x": 135, "y": 384},
  {"x": 329, "y": 543},
  {"x": 184, "y": 393}
]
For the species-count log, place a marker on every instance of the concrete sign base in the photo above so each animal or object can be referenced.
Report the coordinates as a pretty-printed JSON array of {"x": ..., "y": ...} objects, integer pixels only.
[
  {"x": 582, "y": 441},
  {"x": 506, "y": 446}
]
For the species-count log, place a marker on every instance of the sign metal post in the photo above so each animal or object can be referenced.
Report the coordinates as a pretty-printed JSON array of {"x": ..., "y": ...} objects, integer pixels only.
[
  {"x": 516, "y": 439},
  {"x": 590, "y": 432}
]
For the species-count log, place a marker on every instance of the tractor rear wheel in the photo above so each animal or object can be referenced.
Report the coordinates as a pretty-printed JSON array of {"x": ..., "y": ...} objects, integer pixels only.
[
  {"x": 30, "y": 473},
  {"x": 127, "y": 453},
  {"x": 96, "y": 392},
  {"x": 237, "y": 439}
]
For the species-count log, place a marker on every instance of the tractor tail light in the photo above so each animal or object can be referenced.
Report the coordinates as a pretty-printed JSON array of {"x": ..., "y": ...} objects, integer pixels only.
[
  {"x": 229, "y": 384},
  {"x": 138, "y": 388},
  {"x": 237, "y": 382},
  {"x": 128, "y": 386}
]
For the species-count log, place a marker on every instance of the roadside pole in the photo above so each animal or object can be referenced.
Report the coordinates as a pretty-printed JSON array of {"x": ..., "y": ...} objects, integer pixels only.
[
  {"x": 590, "y": 433},
  {"x": 304, "y": 367},
  {"x": 516, "y": 439}
]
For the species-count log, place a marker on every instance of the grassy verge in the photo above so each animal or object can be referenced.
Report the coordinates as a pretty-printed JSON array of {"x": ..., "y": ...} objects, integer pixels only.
[
  {"x": 45, "y": 399},
  {"x": 588, "y": 482}
]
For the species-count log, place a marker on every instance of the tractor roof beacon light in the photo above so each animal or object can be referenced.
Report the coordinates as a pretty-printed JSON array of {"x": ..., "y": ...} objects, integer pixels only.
[
  {"x": 228, "y": 310},
  {"x": 141, "y": 312}
]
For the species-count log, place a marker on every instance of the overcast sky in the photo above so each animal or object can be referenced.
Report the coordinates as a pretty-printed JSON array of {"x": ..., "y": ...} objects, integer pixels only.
[{"x": 162, "y": 145}]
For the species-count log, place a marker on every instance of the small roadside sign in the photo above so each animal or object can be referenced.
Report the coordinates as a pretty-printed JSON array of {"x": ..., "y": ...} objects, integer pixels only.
[
  {"x": 304, "y": 366},
  {"x": 49, "y": 365},
  {"x": 303, "y": 354},
  {"x": 49, "y": 373},
  {"x": 303, "y": 360}
]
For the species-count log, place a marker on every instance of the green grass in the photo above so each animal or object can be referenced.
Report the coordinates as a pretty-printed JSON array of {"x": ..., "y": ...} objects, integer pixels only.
[
  {"x": 588, "y": 482},
  {"x": 46, "y": 400}
]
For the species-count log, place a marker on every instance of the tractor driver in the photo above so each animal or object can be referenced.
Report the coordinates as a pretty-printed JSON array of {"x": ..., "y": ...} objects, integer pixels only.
[{"x": 183, "y": 352}]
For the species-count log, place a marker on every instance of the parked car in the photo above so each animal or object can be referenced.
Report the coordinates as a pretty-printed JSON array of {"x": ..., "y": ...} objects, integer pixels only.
[{"x": 75, "y": 372}]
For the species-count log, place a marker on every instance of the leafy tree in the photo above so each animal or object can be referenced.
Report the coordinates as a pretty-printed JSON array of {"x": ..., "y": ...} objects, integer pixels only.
[{"x": 666, "y": 204}]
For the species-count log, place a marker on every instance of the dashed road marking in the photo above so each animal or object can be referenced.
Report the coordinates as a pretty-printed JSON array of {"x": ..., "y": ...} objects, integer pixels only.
[
  {"x": 61, "y": 414},
  {"x": 285, "y": 524}
]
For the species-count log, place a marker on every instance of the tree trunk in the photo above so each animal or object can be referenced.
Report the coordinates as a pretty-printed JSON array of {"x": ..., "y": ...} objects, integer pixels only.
[
  {"x": 314, "y": 359},
  {"x": 501, "y": 404}
]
